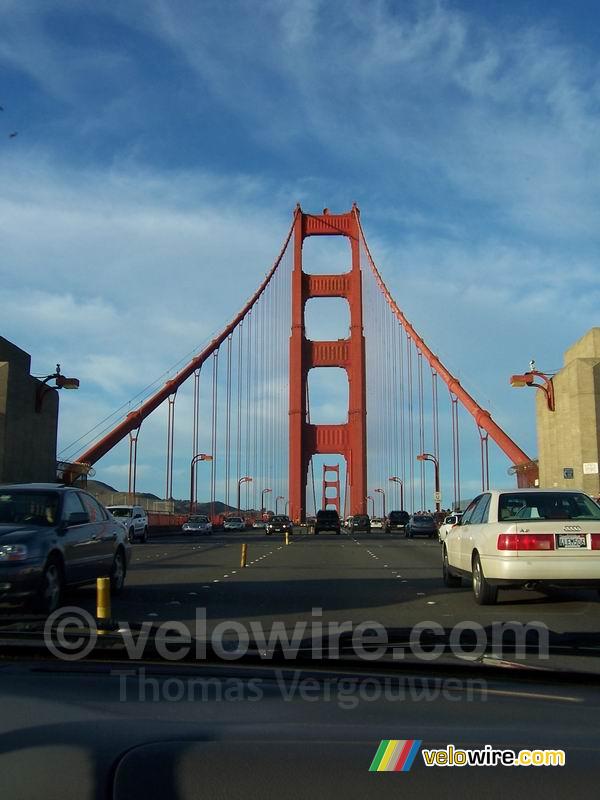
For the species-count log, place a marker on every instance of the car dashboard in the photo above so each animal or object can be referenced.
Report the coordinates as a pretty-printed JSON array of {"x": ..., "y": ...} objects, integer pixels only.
[{"x": 125, "y": 731}]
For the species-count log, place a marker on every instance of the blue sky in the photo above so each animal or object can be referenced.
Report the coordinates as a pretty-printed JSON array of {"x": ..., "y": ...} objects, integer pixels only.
[{"x": 162, "y": 147}]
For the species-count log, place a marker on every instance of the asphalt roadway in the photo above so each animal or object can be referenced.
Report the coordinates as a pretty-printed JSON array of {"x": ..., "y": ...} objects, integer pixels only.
[{"x": 381, "y": 577}]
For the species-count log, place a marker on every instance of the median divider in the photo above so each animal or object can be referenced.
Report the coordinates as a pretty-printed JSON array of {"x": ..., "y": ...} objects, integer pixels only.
[{"x": 244, "y": 558}]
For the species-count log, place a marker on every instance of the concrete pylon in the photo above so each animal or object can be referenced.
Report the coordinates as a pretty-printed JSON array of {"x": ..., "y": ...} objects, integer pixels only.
[{"x": 569, "y": 437}]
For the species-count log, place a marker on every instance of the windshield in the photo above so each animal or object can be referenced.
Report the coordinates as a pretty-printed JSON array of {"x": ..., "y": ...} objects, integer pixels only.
[
  {"x": 547, "y": 506},
  {"x": 120, "y": 512},
  {"x": 28, "y": 508},
  {"x": 285, "y": 286}
]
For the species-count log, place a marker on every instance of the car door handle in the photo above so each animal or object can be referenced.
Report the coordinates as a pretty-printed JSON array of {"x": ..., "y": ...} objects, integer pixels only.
[{"x": 94, "y": 535}]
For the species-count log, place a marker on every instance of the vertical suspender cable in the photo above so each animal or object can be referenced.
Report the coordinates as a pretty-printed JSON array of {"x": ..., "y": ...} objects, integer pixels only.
[
  {"x": 485, "y": 465},
  {"x": 196, "y": 436},
  {"x": 411, "y": 430},
  {"x": 228, "y": 422},
  {"x": 400, "y": 332},
  {"x": 455, "y": 451},
  {"x": 248, "y": 422},
  {"x": 170, "y": 445},
  {"x": 421, "y": 428},
  {"x": 240, "y": 387},
  {"x": 213, "y": 463}
]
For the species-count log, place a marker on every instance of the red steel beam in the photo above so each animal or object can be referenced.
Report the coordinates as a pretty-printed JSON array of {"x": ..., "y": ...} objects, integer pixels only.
[
  {"x": 482, "y": 417},
  {"x": 134, "y": 419}
]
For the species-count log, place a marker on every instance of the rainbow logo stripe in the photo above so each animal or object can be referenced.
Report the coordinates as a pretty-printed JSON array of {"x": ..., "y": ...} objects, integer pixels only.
[{"x": 395, "y": 755}]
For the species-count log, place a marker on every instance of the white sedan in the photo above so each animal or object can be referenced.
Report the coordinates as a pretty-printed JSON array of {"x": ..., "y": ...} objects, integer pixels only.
[
  {"x": 449, "y": 522},
  {"x": 524, "y": 538},
  {"x": 234, "y": 524}
]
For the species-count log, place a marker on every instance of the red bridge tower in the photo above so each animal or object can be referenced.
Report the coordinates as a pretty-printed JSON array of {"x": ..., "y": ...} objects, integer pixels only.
[{"x": 306, "y": 439}]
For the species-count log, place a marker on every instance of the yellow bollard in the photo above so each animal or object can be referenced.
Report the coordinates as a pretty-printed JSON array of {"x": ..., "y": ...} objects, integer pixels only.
[
  {"x": 287, "y": 537},
  {"x": 244, "y": 555},
  {"x": 103, "y": 610}
]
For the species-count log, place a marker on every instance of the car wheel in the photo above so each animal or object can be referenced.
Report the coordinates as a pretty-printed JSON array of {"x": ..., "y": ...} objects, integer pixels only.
[
  {"x": 131, "y": 536},
  {"x": 450, "y": 580},
  {"x": 117, "y": 573},
  {"x": 145, "y": 536},
  {"x": 485, "y": 595},
  {"x": 51, "y": 588}
]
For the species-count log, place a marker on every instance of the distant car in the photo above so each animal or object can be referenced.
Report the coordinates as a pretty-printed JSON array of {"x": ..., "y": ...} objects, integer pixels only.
[
  {"x": 524, "y": 538},
  {"x": 376, "y": 522},
  {"x": 360, "y": 524},
  {"x": 56, "y": 536},
  {"x": 259, "y": 523},
  {"x": 421, "y": 525},
  {"x": 279, "y": 524},
  {"x": 135, "y": 520},
  {"x": 449, "y": 522},
  {"x": 234, "y": 524},
  {"x": 327, "y": 520},
  {"x": 396, "y": 521},
  {"x": 197, "y": 524}
]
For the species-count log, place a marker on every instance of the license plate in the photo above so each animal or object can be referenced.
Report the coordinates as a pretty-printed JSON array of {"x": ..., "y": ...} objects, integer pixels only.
[{"x": 571, "y": 540}]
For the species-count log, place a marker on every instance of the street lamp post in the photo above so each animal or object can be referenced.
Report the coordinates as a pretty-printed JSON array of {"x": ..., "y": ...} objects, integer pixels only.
[
  {"x": 195, "y": 459},
  {"x": 262, "y": 500},
  {"x": 436, "y": 465},
  {"x": 372, "y": 499},
  {"x": 382, "y": 493},
  {"x": 245, "y": 479},
  {"x": 60, "y": 383},
  {"x": 528, "y": 379},
  {"x": 277, "y": 499},
  {"x": 287, "y": 506},
  {"x": 399, "y": 481}
]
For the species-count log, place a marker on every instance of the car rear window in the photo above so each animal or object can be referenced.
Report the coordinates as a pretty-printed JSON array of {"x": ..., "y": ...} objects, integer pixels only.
[
  {"x": 424, "y": 518},
  {"x": 328, "y": 515},
  {"x": 361, "y": 520},
  {"x": 546, "y": 505}
]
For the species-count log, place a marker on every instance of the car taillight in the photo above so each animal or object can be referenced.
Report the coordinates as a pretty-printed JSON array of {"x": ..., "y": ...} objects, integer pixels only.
[
  {"x": 595, "y": 538},
  {"x": 526, "y": 541}
]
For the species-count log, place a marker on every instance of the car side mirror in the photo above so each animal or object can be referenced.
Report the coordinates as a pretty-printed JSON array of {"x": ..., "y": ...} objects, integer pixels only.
[{"x": 76, "y": 518}]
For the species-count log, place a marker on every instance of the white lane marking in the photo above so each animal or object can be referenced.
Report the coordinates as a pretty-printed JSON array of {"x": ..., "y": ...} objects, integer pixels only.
[{"x": 216, "y": 580}]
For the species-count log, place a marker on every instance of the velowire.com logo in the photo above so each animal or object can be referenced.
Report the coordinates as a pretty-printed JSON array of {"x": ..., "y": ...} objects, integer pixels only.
[{"x": 395, "y": 755}]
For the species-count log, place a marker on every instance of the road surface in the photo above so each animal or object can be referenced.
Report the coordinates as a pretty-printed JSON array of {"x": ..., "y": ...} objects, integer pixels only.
[{"x": 381, "y": 577}]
